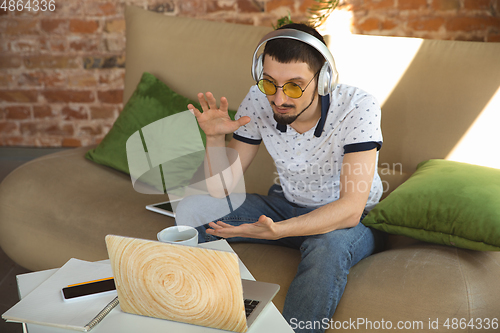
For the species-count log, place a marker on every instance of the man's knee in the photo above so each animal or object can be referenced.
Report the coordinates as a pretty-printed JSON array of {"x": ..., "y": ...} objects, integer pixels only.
[
  {"x": 343, "y": 247},
  {"x": 329, "y": 248}
]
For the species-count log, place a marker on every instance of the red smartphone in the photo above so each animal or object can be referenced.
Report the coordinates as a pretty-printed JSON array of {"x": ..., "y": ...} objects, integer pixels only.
[{"x": 90, "y": 288}]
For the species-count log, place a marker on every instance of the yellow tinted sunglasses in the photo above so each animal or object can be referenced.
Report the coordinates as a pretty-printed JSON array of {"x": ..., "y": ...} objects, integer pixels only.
[{"x": 290, "y": 89}]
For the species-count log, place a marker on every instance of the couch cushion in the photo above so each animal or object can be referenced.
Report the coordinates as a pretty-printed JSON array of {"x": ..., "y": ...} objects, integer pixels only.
[
  {"x": 419, "y": 284},
  {"x": 152, "y": 100},
  {"x": 189, "y": 55},
  {"x": 444, "y": 202},
  {"x": 61, "y": 206}
]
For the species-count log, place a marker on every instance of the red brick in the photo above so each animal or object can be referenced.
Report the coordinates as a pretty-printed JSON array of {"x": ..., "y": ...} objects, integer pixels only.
[
  {"x": 21, "y": 26},
  {"x": 493, "y": 37},
  {"x": 472, "y": 23},
  {"x": 446, "y": 4},
  {"x": 71, "y": 142},
  {"x": 249, "y": 6},
  {"x": 71, "y": 113},
  {"x": 21, "y": 96},
  {"x": 25, "y": 45},
  {"x": 117, "y": 26},
  {"x": 53, "y": 79},
  {"x": 28, "y": 128},
  {"x": 112, "y": 77},
  {"x": 381, "y": 4},
  {"x": 412, "y": 4},
  {"x": 5, "y": 41},
  {"x": 275, "y": 4},
  {"x": 19, "y": 141},
  {"x": 355, "y": 6},
  {"x": 218, "y": 6},
  {"x": 17, "y": 112},
  {"x": 51, "y": 44},
  {"x": 68, "y": 96},
  {"x": 49, "y": 61},
  {"x": 477, "y": 4},
  {"x": 8, "y": 127},
  {"x": 83, "y": 26},
  {"x": 82, "y": 79},
  {"x": 43, "y": 111},
  {"x": 101, "y": 8},
  {"x": 115, "y": 44},
  {"x": 191, "y": 8},
  {"x": 93, "y": 129},
  {"x": 470, "y": 38},
  {"x": 55, "y": 26},
  {"x": 103, "y": 112},
  {"x": 111, "y": 96},
  {"x": 306, "y": 5},
  {"x": 48, "y": 141},
  {"x": 496, "y": 7},
  {"x": 421, "y": 23},
  {"x": 6, "y": 80},
  {"x": 68, "y": 8},
  {"x": 85, "y": 44},
  {"x": 59, "y": 129},
  {"x": 369, "y": 24},
  {"x": 238, "y": 19},
  {"x": 46, "y": 128},
  {"x": 42, "y": 79},
  {"x": 388, "y": 24},
  {"x": 12, "y": 61}
]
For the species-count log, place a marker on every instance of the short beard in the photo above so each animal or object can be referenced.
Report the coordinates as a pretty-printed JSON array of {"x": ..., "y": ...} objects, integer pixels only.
[{"x": 285, "y": 119}]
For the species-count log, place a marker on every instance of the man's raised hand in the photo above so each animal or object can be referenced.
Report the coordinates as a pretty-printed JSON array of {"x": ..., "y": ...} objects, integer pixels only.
[{"x": 215, "y": 121}]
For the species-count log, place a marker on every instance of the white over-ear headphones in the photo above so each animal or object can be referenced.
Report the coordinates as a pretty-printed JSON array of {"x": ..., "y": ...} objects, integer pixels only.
[{"x": 328, "y": 75}]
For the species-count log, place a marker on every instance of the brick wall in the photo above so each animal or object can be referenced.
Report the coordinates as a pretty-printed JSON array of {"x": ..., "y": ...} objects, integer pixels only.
[
  {"x": 62, "y": 71},
  {"x": 471, "y": 20}
]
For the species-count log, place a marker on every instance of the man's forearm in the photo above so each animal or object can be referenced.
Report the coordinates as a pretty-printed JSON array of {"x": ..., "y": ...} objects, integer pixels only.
[
  {"x": 339, "y": 214},
  {"x": 215, "y": 162},
  {"x": 346, "y": 211}
]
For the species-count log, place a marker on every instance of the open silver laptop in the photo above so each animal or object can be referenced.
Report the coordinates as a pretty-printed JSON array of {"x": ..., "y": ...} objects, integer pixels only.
[{"x": 188, "y": 284}]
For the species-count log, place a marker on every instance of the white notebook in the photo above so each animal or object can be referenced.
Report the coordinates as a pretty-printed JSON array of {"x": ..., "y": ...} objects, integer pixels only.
[{"x": 46, "y": 306}]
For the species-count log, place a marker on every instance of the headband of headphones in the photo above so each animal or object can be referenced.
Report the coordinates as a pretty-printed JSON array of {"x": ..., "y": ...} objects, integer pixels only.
[{"x": 328, "y": 76}]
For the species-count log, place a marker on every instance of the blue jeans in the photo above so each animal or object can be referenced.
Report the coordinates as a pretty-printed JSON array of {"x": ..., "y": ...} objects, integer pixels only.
[{"x": 326, "y": 258}]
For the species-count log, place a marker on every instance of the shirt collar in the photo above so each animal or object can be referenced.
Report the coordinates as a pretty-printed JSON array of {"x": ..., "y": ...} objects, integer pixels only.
[{"x": 325, "y": 105}]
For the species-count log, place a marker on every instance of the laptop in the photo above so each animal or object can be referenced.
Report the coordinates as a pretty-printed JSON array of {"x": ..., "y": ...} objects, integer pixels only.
[{"x": 188, "y": 284}]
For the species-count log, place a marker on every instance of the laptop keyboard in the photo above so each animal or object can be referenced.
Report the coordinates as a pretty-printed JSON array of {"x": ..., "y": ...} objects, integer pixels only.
[{"x": 250, "y": 306}]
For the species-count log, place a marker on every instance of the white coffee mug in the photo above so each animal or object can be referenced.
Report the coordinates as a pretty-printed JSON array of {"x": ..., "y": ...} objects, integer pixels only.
[{"x": 179, "y": 234}]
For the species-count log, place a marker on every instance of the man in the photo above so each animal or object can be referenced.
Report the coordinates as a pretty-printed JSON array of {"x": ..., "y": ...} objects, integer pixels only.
[{"x": 327, "y": 167}]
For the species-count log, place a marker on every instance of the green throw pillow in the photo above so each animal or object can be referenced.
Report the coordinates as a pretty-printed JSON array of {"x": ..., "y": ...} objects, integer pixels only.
[
  {"x": 151, "y": 101},
  {"x": 444, "y": 202}
]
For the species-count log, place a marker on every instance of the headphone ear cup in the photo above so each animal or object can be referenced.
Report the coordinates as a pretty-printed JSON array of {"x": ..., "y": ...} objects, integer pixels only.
[
  {"x": 258, "y": 68},
  {"x": 325, "y": 80}
]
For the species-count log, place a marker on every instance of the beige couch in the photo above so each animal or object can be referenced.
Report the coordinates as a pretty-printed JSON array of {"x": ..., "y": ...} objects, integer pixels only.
[{"x": 62, "y": 205}]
